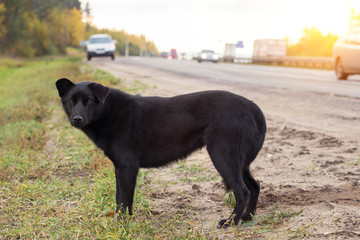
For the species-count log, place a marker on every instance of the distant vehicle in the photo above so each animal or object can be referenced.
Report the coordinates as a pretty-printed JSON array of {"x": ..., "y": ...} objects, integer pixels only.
[
  {"x": 229, "y": 52},
  {"x": 164, "y": 54},
  {"x": 100, "y": 45},
  {"x": 183, "y": 56},
  {"x": 208, "y": 55},
  {"x": 173, "y": 54},
  {"x": 346, "y": 53}
]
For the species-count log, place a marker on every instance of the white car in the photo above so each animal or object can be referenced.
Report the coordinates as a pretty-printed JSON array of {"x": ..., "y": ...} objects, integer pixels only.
[
  {"x": 208, "y": 55},
  {"x": 346, "y": 53},
  {"x": 100, "y": 45}
]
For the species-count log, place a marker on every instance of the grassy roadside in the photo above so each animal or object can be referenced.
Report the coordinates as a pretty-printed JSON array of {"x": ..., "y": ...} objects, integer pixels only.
[{"x": 55, "y": 184}]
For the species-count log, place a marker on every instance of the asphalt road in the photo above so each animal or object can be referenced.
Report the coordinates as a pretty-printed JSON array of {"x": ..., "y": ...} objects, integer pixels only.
[{"x": 320, "y": 81}]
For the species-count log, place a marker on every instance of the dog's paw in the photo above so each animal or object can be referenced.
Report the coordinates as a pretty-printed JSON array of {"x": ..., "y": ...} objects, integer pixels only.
[
  {"x": 247, "y": 217},
  {"x": 225, "y": 223},
  {"x": 232, "y": 220}
]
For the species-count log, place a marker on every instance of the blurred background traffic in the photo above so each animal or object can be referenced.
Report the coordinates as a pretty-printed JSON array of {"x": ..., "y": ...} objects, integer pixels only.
[{"x": 300, "y": 33}]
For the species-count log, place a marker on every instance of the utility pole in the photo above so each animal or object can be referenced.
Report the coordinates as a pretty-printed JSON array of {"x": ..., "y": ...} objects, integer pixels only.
[{"x": 127, "y": 47}]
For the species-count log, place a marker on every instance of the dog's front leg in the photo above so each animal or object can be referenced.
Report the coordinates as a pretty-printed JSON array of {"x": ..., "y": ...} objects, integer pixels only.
[{"x": 125, "y": 186}]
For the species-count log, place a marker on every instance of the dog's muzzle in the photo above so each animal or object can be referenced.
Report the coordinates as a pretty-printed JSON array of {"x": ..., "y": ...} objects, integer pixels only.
[{"x": 77, "y": 121}]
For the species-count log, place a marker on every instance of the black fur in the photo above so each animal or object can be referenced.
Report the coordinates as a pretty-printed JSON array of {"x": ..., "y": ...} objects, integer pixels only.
[{"x": 135, "y": 131}]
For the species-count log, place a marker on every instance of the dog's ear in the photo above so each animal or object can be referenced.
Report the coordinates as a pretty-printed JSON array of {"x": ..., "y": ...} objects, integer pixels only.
[
  {"x": 100, "y": 91},
  {"x": 63, "y": 85}
]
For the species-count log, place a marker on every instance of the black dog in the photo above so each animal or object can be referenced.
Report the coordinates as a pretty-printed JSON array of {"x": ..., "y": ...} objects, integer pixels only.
[{"x": 135, "y": 131}]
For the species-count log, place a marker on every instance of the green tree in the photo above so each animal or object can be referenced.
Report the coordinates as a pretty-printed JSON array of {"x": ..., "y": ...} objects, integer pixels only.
[
  {"x": 31, "y": 27},
  {"x": 74, "y": 27},
  {"x": 354, "y": 18},
  {"x": 312, "y": 43},
  {"x": 40, "y": 27},
  {"x": 2, "y": 19}
]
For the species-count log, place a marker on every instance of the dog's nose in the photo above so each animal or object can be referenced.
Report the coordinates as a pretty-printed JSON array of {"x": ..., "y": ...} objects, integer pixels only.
[{"x": 78, "y": 118}]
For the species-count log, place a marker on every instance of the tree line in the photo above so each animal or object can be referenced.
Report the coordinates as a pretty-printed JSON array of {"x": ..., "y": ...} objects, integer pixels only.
[
  {"x": 312, "y": 43},
  {"x": 31, "y": 28}
]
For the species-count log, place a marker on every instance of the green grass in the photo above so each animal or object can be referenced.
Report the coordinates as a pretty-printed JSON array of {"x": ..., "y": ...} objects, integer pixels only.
[
  {"x": 356, "y": 162},
  {"x": 54, "y": 183},
  {"x": 270, "y": 222},
  {"x": 193, "y": 173}
]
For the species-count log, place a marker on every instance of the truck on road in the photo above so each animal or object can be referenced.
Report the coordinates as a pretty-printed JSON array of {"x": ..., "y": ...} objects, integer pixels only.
[{"x": 229, "y": 52}]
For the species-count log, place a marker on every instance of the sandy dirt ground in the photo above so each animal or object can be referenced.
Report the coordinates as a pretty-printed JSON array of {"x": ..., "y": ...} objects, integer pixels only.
[{"x": 310, "y": 161}]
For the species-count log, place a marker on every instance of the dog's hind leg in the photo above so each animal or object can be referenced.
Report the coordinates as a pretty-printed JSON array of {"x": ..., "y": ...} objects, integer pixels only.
[
  {"x": 230, "y": 168},
  {"x": 254, "y": 188}
]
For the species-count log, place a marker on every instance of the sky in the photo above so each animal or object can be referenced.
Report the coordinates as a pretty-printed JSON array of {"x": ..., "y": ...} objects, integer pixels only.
[{"x": 193, "y": 25}]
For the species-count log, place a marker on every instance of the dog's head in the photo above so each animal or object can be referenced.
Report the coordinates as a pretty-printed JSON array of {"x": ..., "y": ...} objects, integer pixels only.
[{"x": 83, "y": 102}]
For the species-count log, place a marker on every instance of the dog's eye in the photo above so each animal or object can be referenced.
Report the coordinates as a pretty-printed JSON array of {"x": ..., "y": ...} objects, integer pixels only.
[
  {"x": 89, "y": 101},
  {"x": 71, "y": 101}
]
